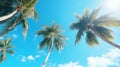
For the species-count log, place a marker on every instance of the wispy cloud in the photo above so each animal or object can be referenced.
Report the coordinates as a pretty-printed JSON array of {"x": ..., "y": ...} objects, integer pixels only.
[
  {"x": 23, "y": 59},
  {"x": 70, "y": 64},
  {"x": 14, "y": 36},
  {"x": 37, "y": 56},
  {"x": 28, "y": 58},
  {"x": 31, "y": 58}
]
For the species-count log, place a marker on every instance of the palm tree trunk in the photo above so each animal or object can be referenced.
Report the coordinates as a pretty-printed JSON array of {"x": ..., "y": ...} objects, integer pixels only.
[
  {"x": 8, "y": 16},
  {"x": 44, "y": 63},
  {"x": 108, "y": 41}
]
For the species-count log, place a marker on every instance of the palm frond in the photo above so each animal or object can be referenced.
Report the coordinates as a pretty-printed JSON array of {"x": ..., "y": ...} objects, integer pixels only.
[
  {"x": 10, "y": 52},
  {"x": 78, "y": 16},
  {"x": 78, "y": 36},
  {"x": 2, "y": 58},
  {"x": 91, "y": 39},
  {"x": 58, "y": 41},
  {"x": 7, "y": 41},
  {"x": 86, "y": 13},
  {"x": 74, "y": 26},
  {"x": 41, "y": 32},
  {"x": 1, "y": 43},
  {"x": 44, "y": 43},
  {"x": 107, "y": 22},
  {"x": 31, "y": 3},
  {"x": 35, "y": 15},
  {"x": 9, "y": 47},
  {"x": 53, "y": 25},
  {"x": 57, "y": 28},
  {"x": 94, "y": 14},
  {"x": 105, "y": 32},
  {"x": 25, "y": 28},
  {"x": 8, "y": 26}
]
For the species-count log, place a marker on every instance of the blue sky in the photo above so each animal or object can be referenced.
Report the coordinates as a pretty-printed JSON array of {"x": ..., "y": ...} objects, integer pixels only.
[{"x": 62, "y": 12}]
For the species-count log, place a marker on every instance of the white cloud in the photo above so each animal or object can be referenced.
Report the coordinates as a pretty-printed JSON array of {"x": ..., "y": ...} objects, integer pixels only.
[
  {"x": 23, "y": 59},
  {"x": 99, "y": 62},
  {"x": 30, "y": 58},
  {"x": 37, "y": 56},
  {"x": 111, "y": 58},
  {"x": 14, "y": 36},
  {"x": 70, "y": 64}
]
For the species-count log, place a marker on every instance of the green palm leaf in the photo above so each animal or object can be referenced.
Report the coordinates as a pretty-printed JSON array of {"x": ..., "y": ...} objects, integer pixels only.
[
  {"x": 106, "y": 33},
  {"x": 2, "y": 57},
  {"x": 10, "y": 52},
  {"x": 94, "y": 14},
  {"x": 91, "y": 39},
  {"x": 35, "y": 15},
  {"x": 78, "y": 36},
  {"x": 25, "y": 27}
]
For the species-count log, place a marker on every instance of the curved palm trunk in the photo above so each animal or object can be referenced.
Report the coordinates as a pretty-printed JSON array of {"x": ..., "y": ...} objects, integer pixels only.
[
  {"x": 108, "y": 41},
  {"x": 44, "y": 63},
  {"x": 8, "y": 16}
]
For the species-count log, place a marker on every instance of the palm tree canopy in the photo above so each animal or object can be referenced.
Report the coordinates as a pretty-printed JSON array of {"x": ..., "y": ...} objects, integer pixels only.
[
  {"x": 5, "y": 47},
  {"x": 26, "y": 11},
  {"x": 89, "y": 21},
  {"x": 49, "y": 32}
]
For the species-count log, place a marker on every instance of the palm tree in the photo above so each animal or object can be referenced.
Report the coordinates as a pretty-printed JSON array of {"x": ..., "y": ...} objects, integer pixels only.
[
  {"x": 94, "y": 26},
  {"x": 52, "y": 36},
  {"x": 5, "y": 47},
  {"x": 24, "y": 10}
]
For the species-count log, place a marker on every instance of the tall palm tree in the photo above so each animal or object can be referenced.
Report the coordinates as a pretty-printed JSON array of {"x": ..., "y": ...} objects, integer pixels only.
[
  {"x": 5, "y": 48},
  {"x": 24, "y": 10},
  {"x": 95, "y": 26},
  {"x": 52, "y": 36}
]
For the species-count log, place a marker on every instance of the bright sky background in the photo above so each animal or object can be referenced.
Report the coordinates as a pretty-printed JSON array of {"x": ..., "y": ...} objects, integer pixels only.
[{"x": 62, "y": 12}]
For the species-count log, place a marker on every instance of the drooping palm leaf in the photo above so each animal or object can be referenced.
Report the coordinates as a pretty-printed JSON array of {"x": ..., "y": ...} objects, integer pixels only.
[
  {"x": 78, "y": 36},
  {"x": 25, "y": 27},
  {"x": 91, "y": 39},
  {"x": 36, "y": 15},
  {"x": 10, "y": 52},
  {"x": 94, "y": 14},
  {"x": 104, "y": 32}
]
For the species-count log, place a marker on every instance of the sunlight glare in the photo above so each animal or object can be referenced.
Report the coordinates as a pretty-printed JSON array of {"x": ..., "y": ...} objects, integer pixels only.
[{"x": 112, "y": 5}]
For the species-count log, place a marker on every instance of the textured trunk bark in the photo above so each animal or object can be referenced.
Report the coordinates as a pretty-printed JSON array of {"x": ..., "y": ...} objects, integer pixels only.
[
  {"x": 8, "y": 16},
  {"x": 108, "y": 41},
  {"x": 44, "y": 63}
]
